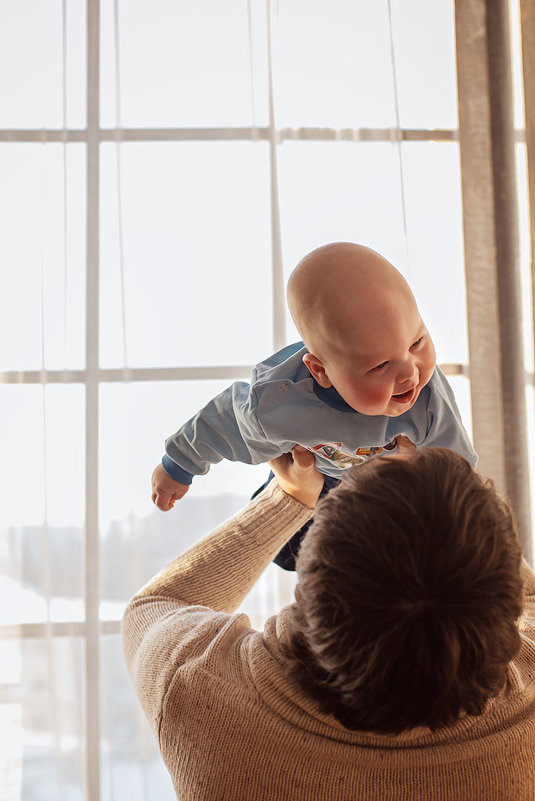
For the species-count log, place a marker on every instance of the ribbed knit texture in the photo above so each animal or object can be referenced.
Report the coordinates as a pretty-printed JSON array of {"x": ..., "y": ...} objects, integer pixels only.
[{"x": 230, "y": 727}]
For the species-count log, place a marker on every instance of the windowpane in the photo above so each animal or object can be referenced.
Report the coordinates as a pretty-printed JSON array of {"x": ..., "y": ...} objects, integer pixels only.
[
  {"x": 333, "y": 64},
  {"x": 42, "y": 253},
  {"x": 340, "y": 191},
  {"x": 435, "y": 242},
  {"x": 273, "y": 590},
  {"x": 42, "y": 511},
  {"x": 197, "y": 256},
  {"x": 424, "y": 47},
  {"x": 40, "y": 707},
  {"x": 138, "y": 539},
  {"x": 31, "y": 64},
  {"x": 461, "y": 389},
  {"x": 185, "y": 64}
]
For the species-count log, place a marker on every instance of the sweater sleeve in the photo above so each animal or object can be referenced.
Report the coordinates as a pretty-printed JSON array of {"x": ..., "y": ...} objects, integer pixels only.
[
  {"x": 179, "y": 614},
  {"x": 226, "y": 428}
]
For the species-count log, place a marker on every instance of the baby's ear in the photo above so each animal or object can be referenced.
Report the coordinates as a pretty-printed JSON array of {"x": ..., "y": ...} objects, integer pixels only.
[{"x": 317, "y": 370}]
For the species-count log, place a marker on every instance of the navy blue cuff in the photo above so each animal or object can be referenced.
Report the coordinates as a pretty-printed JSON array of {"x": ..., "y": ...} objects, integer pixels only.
[{"x": 175, "y": 471}]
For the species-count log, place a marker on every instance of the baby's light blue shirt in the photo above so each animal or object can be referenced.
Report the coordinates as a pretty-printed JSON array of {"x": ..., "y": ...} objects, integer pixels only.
[{"x": 283, "y": 405}]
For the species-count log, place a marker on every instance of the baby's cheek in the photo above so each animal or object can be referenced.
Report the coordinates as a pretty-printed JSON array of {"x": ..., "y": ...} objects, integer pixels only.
[
  {"x": 425, "y": 374},
  {"x": 376, "y": 398}
]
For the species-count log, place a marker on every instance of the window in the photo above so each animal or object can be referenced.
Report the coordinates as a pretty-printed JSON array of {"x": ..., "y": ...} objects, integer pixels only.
[{"x": 164, "y": 166}]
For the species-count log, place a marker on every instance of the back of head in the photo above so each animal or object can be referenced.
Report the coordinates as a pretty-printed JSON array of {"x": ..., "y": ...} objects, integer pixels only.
[{"x": 408, "y": 594}]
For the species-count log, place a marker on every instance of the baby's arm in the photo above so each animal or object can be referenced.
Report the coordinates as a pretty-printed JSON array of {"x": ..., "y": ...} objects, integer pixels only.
[{"x": 226, "y": 428}]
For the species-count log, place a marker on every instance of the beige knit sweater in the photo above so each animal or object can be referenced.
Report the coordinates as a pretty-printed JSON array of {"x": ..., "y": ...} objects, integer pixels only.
[{"x": 230, "y": 727}]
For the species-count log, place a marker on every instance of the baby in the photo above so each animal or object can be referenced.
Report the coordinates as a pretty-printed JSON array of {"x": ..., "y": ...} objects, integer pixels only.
[{"x": 363, "y": 375}]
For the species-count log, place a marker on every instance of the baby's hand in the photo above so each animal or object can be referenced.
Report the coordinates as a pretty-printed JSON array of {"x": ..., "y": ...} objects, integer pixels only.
[{"x": 165, "y": 490}]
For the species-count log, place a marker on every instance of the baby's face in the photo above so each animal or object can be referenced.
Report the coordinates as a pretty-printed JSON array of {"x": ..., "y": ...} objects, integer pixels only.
[{"x": 384, "y": 369}]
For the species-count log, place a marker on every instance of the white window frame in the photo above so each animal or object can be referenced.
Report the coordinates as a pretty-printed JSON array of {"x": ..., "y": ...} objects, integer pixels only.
[{"x": 92, "y": 377}]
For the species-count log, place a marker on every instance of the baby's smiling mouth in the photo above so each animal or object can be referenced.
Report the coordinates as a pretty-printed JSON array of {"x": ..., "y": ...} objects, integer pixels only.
[{"x": 404, "y": 397}]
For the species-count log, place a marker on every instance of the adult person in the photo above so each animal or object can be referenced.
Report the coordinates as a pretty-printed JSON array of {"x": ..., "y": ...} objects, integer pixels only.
[{"x": 404, "y": 670}]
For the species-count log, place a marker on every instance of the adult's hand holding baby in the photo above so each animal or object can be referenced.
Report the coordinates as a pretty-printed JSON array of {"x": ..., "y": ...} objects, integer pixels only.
[
  {"x": 297, "y": 475},
  {"x": 165, "y": 490},
  {"x": 405, "y": 445}
]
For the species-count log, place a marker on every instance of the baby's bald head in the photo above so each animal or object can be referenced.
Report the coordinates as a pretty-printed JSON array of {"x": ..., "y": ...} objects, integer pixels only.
[
  {"x": 362, "y": 328},
  {"x": 341, "y": 289}
]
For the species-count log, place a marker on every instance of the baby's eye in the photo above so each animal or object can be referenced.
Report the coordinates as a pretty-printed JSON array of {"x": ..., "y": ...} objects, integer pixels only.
[
  {"x": 415, "y": 344},
  {"x": 379, "y": 366}
]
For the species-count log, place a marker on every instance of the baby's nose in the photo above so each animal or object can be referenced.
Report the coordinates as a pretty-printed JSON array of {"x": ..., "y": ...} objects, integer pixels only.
[{"x": 407, "y": 372}]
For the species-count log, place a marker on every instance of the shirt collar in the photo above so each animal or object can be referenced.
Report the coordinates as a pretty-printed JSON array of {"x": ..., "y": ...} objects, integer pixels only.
[{"x": 332, "y": 398}]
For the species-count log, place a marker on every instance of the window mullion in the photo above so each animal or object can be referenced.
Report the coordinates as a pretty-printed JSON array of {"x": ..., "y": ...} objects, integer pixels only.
[
  {"x": 306, "y": 134},
  {"x": 277, "y": 268},
  {"x": 113, "y": 375},
  {"x": 91, "y": 584},
  {"x": 61, "y": 628}
]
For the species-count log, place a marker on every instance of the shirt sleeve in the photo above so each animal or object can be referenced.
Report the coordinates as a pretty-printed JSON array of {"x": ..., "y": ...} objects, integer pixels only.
[
  {"x": 226, "y": 428},
  {"x": 444, "y": 425}
]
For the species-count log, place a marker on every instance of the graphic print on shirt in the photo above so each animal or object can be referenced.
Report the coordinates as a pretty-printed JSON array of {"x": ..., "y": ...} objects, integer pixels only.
[
  {"x": 334, "y": 453},
  {"x": 342, "y": 459}
]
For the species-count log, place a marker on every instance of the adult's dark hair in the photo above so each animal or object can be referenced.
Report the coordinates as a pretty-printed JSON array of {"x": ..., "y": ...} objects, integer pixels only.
[{"x": 408, "y": 594}]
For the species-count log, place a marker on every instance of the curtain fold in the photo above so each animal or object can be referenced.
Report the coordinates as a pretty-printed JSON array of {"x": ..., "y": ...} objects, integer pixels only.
[{"x": 490, "y": 221}]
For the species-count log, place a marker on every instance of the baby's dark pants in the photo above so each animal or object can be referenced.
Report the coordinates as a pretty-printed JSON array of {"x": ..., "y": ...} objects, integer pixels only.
[{"x": 288, "y": 554}]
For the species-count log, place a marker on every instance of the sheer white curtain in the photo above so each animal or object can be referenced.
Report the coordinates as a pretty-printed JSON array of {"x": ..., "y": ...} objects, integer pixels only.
[{"x": 164, "y": 166}]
